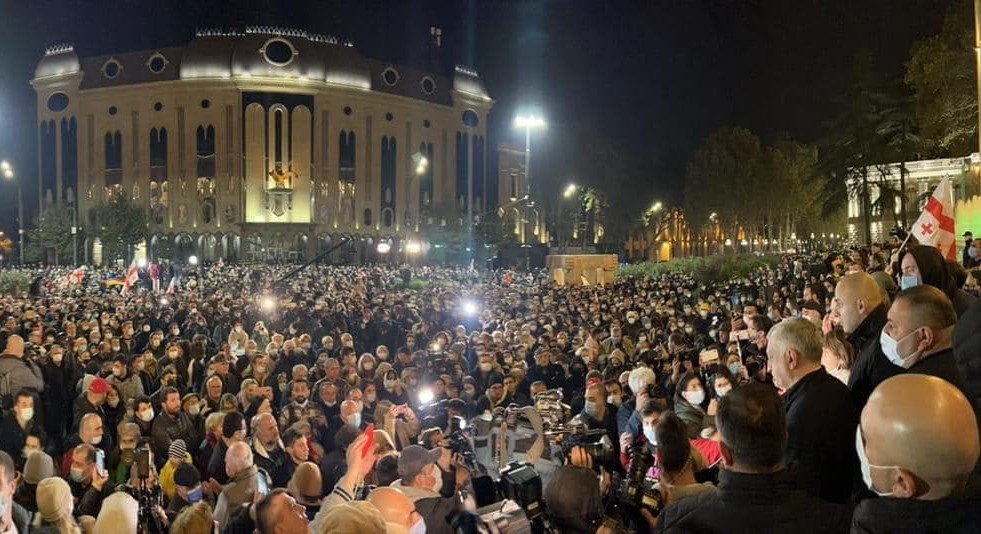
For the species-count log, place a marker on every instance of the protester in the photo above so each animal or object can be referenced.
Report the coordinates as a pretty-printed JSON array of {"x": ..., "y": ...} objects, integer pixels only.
[
  {"x": 918, "y": 444},
  {"x": 274, "y": 387},
  {"x": 754, "y": 493}
]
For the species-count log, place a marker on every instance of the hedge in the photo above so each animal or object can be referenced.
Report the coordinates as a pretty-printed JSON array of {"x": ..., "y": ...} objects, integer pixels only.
[{"x": 706, "y": 270}]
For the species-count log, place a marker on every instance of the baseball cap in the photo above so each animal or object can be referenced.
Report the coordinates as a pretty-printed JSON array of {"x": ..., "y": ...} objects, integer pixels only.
[
  {"x": 414, "y": 459},
  {"x": 99, "y": 386}
]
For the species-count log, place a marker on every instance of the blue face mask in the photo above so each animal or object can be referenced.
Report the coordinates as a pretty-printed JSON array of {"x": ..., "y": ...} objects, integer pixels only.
[
  {"x": 734, "y": 369},
  {"x": 195, "y": 495},
  {"x": 591, "y": 409},
  {"x": 651, "y": 438},
  {"x": 907, "y": 282}
]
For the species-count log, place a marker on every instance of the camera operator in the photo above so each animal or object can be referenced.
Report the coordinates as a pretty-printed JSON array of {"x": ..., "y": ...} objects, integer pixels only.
[
  {"x": 628, "y": 416},
  {"x": 573, "y": 498},
  {"x": 422, "y": 481},
  {"x": 600, "y": 414},
  {"x": 676, "y": 461},
  {"x": 88, "y": 484}
]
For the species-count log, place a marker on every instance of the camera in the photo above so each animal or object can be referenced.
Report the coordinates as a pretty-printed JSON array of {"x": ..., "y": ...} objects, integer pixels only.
[
  {"x": 655, "y": 391},
  {"x": 636, "y": 490},
  {"x": 458, "y": 442},
  {"x": 144, "y": 459}
]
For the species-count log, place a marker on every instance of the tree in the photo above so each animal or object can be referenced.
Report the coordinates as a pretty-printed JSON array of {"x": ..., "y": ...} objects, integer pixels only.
[
  {"x": 51, "y": 237},
  {"x": 792, "y": 189},
  {"x": 724, "y": 178},
  {"x": 121, "y": 226},
  {"x": 942, "y": 74}
]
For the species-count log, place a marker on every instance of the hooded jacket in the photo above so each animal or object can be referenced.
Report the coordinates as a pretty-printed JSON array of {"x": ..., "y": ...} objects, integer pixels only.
[{"x": 933, "y": 272}]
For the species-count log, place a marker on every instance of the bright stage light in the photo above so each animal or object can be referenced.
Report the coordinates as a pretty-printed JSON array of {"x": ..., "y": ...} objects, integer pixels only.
[{"x": 193, "y": 260}]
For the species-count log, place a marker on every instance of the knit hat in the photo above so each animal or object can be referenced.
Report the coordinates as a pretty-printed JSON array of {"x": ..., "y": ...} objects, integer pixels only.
[
  {"x": 54, "y": 498},
  {"x": 187, "y": 475},
  {"x": 119, "y": 513},
  {"x": 178, "y": 450},
  {"x": 306, "y": 482},
  {"x": 38, "y": 467}
]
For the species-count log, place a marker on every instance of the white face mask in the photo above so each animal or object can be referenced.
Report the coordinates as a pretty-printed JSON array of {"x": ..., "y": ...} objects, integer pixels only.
[
  {"x": 614, "y": 400},
  {"x": 146, "y": 415},
  {"x": 890, "y": 347},
  {"x": 863, "y": 461},
  {"x": 694, "y": 397},
  {"x": 721, "y": 392}
]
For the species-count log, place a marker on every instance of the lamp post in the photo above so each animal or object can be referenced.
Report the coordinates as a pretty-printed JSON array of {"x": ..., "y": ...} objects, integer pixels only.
[
  {"x": 8, "y": 173},
  {"x": 528, "y": 123},
  {"x": 570, "y": 192}
]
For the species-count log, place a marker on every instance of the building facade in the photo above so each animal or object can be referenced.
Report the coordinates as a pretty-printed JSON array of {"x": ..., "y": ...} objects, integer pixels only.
[
  {"x": 920, "y": 178},
  {"x": 262, "y": 144}
]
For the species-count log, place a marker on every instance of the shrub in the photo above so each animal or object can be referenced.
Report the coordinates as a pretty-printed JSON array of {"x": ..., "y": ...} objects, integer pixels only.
[
  {"x": 14, "y": 283},
  {"x": 706, "y": 270},
  {"x": 417, "y": 284}
]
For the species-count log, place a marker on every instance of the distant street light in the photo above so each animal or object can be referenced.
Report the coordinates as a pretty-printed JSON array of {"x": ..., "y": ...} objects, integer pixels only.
[
  {"x": 193, "y": 260},
  {"x": 570, "y": 190},
  {"x": 384, "y": 247},
  {"x": 8, "y": 173},
  {"x": 528, "y": 123},
  {"x": 413, "y": 247}
]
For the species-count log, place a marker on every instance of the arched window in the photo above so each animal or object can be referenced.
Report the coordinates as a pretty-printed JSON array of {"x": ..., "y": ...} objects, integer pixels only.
[
  {"x": 462, "y": 160},
  {"x": 206, "y": 151},
  {"x": 367, "y": 217},
  {"x": 114, "y": 158},
  {"x": 388, "y": 173},
  {"x": 69, "y": 159},
  {"x": 346, "y": 156}
]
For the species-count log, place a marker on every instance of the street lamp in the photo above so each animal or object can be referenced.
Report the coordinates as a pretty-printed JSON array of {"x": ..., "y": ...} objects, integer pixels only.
[
  {"x": 8, "y": 173},
  {"x": 570, "y": 190},
  {"x": 528, "y": 123}
]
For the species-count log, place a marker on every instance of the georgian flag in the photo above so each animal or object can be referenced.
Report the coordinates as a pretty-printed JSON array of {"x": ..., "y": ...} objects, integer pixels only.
[
  {"x": 131, "y": 278},
  {"x": 935, "y": 227}
]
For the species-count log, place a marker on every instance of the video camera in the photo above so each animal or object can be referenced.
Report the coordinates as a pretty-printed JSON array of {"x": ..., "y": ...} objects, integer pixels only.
[{"x": 636, "y": 491}]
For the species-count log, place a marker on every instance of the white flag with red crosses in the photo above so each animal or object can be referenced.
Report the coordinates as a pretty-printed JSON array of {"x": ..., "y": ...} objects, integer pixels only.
[{"x": 935, "y": 227}]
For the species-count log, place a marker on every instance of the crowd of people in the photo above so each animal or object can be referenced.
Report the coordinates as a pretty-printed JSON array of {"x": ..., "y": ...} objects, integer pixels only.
[{"x": 830, "y": 393}]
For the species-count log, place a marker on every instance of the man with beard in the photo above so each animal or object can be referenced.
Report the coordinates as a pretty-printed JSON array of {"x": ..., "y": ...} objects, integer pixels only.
[
  {"x": 172, "y": 424},
  {"x": 545, "y": 370},
  {"x": 267, "y": 448}
]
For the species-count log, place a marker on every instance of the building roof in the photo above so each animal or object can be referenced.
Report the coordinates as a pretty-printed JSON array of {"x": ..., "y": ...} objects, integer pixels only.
[{"x": 263, "y": 53}]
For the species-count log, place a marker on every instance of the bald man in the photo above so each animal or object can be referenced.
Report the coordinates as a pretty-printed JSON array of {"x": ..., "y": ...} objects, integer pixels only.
[
  {"x": 917, "y": 443},
  {"x": 862, "y": 313},
  {"x": 243, "y": 482},
  {"x": 398, "y": 510}
]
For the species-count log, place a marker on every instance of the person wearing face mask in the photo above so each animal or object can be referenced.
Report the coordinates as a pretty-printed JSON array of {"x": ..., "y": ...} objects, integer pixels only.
[
  {"x": 421, "y": 481},
  {"x": 918, "y": 336},
  {"x": 907, "y": 422},
  {"x": 17, "y": 424},
  {"x": 616, "y": 341},
  {"x": 89, "y": 485},
  {"x": 126, "y": 383},
  {"x": 60, "y": 374},
  {"x": 819, "y": 448},
  {"x": 599, "y": 414},
  {"x": 187, "y": 490},
  {"x": 924, "y": 265},
  {"x": 484, "y": 374},
  {"x": 688, "y": 401}
]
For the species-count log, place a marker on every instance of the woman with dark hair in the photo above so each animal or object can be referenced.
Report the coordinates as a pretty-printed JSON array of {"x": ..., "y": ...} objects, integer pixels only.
[
  {"x": 688, "y": 400},
  {"x": 922, "y": 264}
]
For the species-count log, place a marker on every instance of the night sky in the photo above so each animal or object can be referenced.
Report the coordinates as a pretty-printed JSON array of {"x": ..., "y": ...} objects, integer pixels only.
[{"x": 654, "y": 78}]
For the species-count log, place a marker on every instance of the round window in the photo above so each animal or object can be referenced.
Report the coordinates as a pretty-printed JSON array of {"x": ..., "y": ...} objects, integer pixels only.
[
  {"x": 157, "y": 63},
  {"x": 58, "y": 102},
  {"x": 206, "y": 103},
  {"x": 158, "y": 106},
  {"x": 112, "y": 110},
  {"x": 347, "y": 110},
  {"x": 391, "y": 76},
  {"x": 111, "y": 69},
  {"x": 426, "y": 123},
  {"x": 389, "y": 117},
  {"x": 470, "y": 118},
  {"x": 428, "y": 85},
  {"x": 279, "y": 52}
]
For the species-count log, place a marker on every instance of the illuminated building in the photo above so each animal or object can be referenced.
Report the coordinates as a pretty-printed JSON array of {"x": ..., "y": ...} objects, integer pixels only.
[{"x": 266, "y": 143}]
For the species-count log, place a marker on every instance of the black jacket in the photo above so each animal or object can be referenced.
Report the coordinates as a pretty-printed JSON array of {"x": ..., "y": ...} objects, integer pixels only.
[
  {"x": 871, "y": 366},
  {"x": 886, "y": 514},
  {"x": 821, "y": 422},
  {"x": 752, "y": 504},
  {"x": 942, "y": 365},
  {"x": 967, "y": 352}
]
